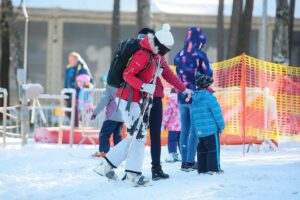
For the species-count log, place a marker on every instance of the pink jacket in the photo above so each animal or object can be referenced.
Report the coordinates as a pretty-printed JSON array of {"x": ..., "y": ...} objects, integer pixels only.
[{"x": 171, "y": 115}]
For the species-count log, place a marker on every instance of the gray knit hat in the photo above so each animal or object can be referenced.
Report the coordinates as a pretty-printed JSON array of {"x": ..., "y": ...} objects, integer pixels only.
[{"x": 202, "y": 81}]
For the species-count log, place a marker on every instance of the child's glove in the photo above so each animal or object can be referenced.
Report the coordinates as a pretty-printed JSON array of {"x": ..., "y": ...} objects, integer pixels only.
[
  {"x": 149, "y": 88},
  {"x": 189, "y": 94},
  {"x": 93, "y": 117}
]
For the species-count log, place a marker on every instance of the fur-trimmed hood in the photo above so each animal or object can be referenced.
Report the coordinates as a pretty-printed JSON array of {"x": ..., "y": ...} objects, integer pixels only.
[{"x": 148, "y": 43}]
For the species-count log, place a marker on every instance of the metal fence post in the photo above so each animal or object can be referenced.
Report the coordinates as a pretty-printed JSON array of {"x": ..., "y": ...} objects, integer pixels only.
[{"x": 72, "y": 110}]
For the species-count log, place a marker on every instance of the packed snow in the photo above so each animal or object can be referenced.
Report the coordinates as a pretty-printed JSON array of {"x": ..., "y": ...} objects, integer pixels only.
[{"x": 48, "y": 171}]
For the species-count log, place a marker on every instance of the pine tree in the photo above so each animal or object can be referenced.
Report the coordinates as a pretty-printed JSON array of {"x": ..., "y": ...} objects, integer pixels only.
[
  {"x": 281, "y": 36},
  {"x": 6, "y": 14},
  {"x": 220, "y": 32},
  {"x": 237, "y": 7},
  {"x": 245, "y": 29},
  {"x": 115, "y": 28},
  {"x": 291, "y": 28},
  {"x": 143, "y": 14}
]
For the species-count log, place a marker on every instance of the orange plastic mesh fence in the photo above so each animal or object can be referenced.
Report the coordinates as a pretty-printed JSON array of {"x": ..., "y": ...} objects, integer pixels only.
[{"x": 258, "y": 98}]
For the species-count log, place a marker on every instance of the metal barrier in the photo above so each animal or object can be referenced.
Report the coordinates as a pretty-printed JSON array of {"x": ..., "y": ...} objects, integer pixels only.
[
  {"x": 48, "y": 113},
  {"x": 87, "y": 102},
  {"x": 54, "y": 114},
  {"x": 10, "y": 120},
  {"x": 43, "y": 114},
  {"x": 17, "y": 117}
]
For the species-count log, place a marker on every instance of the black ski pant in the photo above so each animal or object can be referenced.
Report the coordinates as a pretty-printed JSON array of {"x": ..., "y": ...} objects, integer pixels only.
[{"x": 155, "y": 128}]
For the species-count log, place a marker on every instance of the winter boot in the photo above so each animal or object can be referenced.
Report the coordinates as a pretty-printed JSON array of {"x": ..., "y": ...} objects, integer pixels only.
[
  {"x": 178, "y": 157},
  {"x": 157, "y": 174},
  {"x": 136, "y": 180},
  {"x": 187, "y": 167},
  {"x": 99, "y": 154},
  {"x": 171, "y": 158},
  {"x": 105, "y": 169},
  {"x": 191, "y": 166},
  {"x": 216, "y": 173},
  {"x": 195, "y": 166},
  {"x": 183, "y": 166}
]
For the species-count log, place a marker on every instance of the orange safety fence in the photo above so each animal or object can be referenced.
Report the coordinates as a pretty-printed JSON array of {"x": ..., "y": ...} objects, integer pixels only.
[{"x": 260, "y": 100}]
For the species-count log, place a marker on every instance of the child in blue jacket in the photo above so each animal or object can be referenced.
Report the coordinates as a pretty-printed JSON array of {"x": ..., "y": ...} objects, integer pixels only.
[{"x": 208, "y": 122}]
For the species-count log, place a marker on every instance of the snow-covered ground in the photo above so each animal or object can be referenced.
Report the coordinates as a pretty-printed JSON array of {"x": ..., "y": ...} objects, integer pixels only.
[{"x": 44, "y": 171}]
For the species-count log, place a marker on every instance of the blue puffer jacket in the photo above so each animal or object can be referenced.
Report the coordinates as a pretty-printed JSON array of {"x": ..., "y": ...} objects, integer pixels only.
[
  {"x": 206, "y": 114},
  {"x": 192, "y": 60}
]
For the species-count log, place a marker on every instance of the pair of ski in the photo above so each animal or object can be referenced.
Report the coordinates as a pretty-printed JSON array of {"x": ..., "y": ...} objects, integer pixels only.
[{"x": 141, "y": 124}]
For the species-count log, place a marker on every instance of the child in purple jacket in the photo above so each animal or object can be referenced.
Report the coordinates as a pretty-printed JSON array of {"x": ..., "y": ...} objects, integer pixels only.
[{"x": 113, "y": 122}]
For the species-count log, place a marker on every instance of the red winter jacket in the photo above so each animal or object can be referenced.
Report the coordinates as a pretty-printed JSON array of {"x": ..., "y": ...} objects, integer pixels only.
[
  {"x": 170, "y": 77},
  {"x": 138, "y": 63}
]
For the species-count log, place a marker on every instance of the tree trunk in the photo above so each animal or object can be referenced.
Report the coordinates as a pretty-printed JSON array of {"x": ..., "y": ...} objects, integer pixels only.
[
  {"x": 115, "y": 32},
  {"x": 245, "y": 29},
  {"x": 234, "y": 28},
  {"x": 7, "y": 8},
  {"x": 220, "y": 32},
  {"x": 143, "y": 14},
  {"x": 16, "y": 47},
  {"x": 281, "y": 36},
  {"x": 291, "y": 29}
]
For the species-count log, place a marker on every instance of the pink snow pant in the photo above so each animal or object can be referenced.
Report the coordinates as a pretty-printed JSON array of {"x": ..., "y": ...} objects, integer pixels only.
[{"x": 129, "y": 149}]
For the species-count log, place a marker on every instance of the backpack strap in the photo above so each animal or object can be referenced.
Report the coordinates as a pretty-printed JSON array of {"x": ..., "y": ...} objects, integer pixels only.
[
  {"x": 149, "y": 61},
  {"x": 138, "y": 75}
]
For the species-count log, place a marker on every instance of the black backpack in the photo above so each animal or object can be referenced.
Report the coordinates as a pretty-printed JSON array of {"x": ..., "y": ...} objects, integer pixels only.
[{"x": 121, "y": 59}]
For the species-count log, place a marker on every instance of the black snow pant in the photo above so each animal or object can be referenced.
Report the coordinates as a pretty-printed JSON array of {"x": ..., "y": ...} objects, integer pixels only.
[
  {"x": 208, "y": 154},
  {"x": 155, "y": 128}
]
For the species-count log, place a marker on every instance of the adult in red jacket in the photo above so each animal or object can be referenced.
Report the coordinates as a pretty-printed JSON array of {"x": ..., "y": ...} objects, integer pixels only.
[
  {"x": 155, "y": 119},
  {"x": 132, "y": 149}
]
